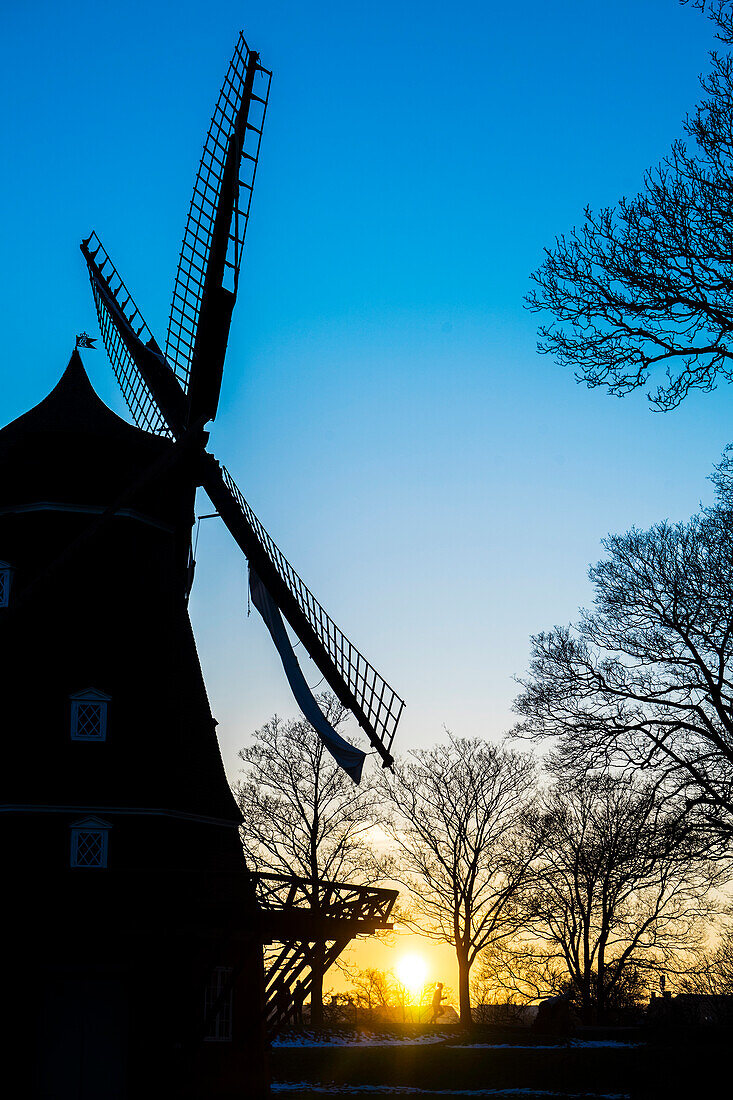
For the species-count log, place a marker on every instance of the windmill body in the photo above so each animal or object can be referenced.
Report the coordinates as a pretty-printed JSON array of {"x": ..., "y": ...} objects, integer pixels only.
[
  {"x": 148, "y": 978},
  {"x": 131, "y": 903}
]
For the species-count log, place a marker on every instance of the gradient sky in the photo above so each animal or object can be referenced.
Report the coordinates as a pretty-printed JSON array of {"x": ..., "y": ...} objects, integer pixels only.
[{"x": 440, "y": 486}]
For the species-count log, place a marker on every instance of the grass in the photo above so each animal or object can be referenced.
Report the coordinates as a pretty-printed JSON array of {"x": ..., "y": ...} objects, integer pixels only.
[{"x": 513, "y": 1061}]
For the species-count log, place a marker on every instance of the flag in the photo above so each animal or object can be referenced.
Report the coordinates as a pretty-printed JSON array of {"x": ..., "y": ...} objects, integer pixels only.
[
  {"x": 84, "y": 340},
  {"x": 346, "y": 755}
]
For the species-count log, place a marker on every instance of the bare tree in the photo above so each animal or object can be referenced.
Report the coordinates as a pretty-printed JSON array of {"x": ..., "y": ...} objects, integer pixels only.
[
  {"x": 622, "y": 887},
  {"x": 457, "y": 821},
  {"x": 303, "y": 815},
  {"x": 712, "y": 973},
  {"x": 649, "y": 283},
  {"x": 372, "y": 990},
  {"x": 521, "y": 969},
  {"x": 376, "y": 994},
  {"x": 646, "y": 677}
]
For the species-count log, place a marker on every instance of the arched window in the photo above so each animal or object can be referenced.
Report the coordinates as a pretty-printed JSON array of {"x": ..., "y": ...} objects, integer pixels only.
[
  {"x": 89, "y": 843},
  {"x": 6, "y": 577},
  {"x": 89, "y": 715},
  {"x": 218, "y": 1005}
]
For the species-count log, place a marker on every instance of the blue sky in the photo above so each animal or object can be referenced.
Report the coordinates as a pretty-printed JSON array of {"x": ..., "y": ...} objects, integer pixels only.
[{"x": 440, "y": 486}]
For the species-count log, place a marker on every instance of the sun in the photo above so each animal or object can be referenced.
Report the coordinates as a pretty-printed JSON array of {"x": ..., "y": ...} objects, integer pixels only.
[{"x": 412, "y": 971}]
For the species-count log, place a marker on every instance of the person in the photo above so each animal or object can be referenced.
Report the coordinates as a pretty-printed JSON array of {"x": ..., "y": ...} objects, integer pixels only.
[
  {"x": 298, "y": 998},
  {"x": 438, "y": 996},
  {"x": 284, "y": 1006}
]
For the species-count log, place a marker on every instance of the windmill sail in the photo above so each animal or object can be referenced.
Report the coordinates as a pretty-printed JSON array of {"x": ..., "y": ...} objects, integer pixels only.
[
  {"x": 375, "y": 705},
  {"x": 147, "y": 382},
  {"x": 175, "y": 393},
  {"x": 208, "y": 267},
  {"x": 346, "y": 756},
  {"x": 151, "y": 389}
]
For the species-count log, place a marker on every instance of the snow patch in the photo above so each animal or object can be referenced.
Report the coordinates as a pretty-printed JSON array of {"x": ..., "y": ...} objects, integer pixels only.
[
  {"x": 358, "y": 1039},
  {"x": 376, "y": 1039},
  {"x": 409, "y": 1090},
  {"x": 574, "y": 1044}
]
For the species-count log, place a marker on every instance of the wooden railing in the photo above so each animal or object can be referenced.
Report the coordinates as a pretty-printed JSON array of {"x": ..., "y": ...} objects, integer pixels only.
[{"x": 332, "y": 900}]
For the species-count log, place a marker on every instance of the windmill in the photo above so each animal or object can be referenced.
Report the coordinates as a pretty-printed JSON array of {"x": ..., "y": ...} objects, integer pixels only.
[{"x": 175, "y": 392}]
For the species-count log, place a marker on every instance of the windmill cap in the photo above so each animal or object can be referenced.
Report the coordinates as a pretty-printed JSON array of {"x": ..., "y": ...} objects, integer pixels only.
[{"x": 71, "y": 448}]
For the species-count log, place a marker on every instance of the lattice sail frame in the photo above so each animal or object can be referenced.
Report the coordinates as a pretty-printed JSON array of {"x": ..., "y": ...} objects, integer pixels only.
[
  {"x": 138, "y": 397},
  {"x": 188, "y": 288},
  {"x": 379, "y": 702}
]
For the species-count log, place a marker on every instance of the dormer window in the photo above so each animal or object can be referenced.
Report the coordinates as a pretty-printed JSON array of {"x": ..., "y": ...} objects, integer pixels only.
[
  {"x": 89, "y": 843},
  {"x": 89, "y": 715},
  {"x": 6, "y": 577}
]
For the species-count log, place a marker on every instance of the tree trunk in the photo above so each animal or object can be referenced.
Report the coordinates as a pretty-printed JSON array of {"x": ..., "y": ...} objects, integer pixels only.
[
  {"x": 464, "y": 992},
  {"x": 588, "y": 1010},
  {"x": 319, "y": 948},
  {"x": 317, "y": 986},
  {"x": 587, "y": 1007},
  {"x": 601, "y": 993}
]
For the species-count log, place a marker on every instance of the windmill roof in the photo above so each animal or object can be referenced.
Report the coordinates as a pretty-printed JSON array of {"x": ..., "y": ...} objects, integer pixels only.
[
  {"x": 72, "y": 448},
  {"x": 72, "y": 405}
]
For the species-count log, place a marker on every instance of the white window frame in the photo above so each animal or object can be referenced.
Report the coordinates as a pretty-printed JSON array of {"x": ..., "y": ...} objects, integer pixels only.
[
  {"x": 89, "y": 697},
  {"x": 95, "y": 826},
  {"x": 219, "y": 1029},
  {"x": 6, "y": 576}
]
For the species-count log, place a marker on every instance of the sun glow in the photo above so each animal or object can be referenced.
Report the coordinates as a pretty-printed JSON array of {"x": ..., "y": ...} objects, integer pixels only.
[{"x": 412, "y": 971}]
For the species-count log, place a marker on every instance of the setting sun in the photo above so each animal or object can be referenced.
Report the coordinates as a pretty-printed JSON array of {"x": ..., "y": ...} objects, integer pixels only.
[{"x": 412, "y": 971}]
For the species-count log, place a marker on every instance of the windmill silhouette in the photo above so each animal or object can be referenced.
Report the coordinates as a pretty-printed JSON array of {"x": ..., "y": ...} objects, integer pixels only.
[{"x": 174, "y": 393}]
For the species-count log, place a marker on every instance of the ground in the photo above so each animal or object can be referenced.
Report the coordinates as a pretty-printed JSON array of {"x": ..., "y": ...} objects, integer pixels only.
[{"x": 495, "y": 1062}]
